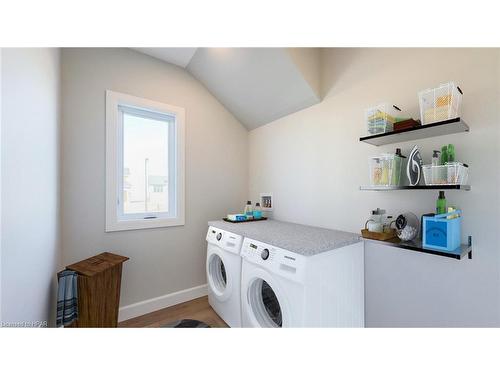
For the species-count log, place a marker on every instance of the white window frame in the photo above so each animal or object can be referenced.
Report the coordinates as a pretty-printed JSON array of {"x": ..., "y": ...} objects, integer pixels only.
[{"x": 115, "y": 221}]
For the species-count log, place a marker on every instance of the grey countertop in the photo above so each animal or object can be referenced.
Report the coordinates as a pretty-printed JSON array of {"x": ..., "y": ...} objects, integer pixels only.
[{"x": 300, "y": 239}]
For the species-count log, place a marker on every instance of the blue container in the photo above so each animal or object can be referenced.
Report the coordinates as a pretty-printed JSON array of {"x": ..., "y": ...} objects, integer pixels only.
[{"x": 440, "y": 233}]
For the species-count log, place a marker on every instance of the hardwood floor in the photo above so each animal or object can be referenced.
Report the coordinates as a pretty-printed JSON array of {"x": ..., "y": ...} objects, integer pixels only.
[{"x": 198, "y": 309}]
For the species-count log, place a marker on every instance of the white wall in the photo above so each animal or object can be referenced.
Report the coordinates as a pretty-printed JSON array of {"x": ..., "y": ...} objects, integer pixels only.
[
  {"x": 30, "y": 180},
  {"x": 314, "y": 164},
  {"x": 163, "y": 260}
]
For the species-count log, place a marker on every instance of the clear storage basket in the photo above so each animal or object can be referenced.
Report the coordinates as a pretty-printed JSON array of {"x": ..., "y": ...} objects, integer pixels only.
[
  {"x": 381, "y": 118},
  {"x": 449, "y": 174},
  {"x": 385, "y": 170},
  {"x": 440, "y": 104}
]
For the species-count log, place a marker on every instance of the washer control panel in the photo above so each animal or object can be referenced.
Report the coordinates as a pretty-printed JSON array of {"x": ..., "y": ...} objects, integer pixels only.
[
  {"x": 225, "y": 240},
  {"x": 277, "y": 260},
  {"x": 257, "y": 250}
]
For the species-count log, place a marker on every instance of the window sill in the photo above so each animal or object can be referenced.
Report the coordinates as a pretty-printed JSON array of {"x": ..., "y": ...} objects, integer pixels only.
[{"x": 116, "y": 226}]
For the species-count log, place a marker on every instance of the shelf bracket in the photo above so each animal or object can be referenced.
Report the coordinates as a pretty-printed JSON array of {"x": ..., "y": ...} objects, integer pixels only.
[{"x": 470, "y": 245}]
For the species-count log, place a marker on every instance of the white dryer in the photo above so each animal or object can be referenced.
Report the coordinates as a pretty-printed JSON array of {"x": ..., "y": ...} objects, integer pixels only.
[
  {"x": 224, "y": 274},
  {"x": 280, "y": 288}
]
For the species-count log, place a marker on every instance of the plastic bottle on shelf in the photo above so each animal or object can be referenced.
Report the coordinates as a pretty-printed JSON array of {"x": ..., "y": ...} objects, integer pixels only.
[
  {"x": 435, "y": 158},
  {"x": 451, "y": 153},
  {"x": 444, "y": 155},
  {"x": 435, "y": 164},
  {"x": 441, "y": 203},
  {"x": 398, "y": 153},
  {"x": 248, "y": 211},
  {"x": 257, "y": 212}
]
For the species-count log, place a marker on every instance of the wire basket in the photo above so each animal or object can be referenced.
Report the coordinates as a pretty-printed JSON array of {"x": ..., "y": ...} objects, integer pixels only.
[
  {"x": 381, "y": 118},
  {"x": 385, "y": 170},
  {"x": 449, "y": 174},
  {"x": 440, "y": 104}
]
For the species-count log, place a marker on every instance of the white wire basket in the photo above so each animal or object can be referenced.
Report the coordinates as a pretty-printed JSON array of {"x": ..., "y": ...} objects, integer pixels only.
[
  {"x": 449, "y": 174},
  {"x": 381, "y": 118},
  {"x": 385, "y": 170},
  {"x": 440, "y": 104}
]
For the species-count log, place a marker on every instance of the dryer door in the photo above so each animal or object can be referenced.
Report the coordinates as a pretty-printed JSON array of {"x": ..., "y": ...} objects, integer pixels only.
[
  {"x": 218, "y": 278},
  {"x": 266, "y": 304}
]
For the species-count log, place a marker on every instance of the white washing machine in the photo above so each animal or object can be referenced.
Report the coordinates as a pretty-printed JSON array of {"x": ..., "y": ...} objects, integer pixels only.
[
  {"x": 224, "y": 274},
  {"x": 280, "y": 288}
]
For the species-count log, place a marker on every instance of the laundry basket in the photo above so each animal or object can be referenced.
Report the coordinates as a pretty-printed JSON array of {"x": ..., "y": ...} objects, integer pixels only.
[
  {"x": 99, "y": 282},
  {"x": 440, "y": 104}
]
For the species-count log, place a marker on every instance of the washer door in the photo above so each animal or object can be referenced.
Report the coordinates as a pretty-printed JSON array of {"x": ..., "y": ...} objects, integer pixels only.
[
  {"x": 266, "y": 303},
  {"x": 218, "y": 279}
]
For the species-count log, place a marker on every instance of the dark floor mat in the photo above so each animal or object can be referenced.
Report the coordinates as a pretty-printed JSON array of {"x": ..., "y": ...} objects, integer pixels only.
[{"x": 186, "y": 323}]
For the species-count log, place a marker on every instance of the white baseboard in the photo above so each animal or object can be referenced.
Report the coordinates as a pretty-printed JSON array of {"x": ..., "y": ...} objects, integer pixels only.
[{"x": 158, "y": 303}]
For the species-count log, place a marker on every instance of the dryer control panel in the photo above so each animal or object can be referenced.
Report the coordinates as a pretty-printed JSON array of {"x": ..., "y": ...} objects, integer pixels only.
[
  {"x": 278, "y": 261},
  {"x": 225, "y": 240}
]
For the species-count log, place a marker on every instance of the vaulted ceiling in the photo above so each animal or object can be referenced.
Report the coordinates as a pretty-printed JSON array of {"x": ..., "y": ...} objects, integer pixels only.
[
  {"x": 258, "y": 85},
  {"x": 176, "y": 56}
]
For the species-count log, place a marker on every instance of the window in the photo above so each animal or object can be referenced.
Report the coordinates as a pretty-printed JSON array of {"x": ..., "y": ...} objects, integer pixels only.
[{"x": 144, "y": 163}]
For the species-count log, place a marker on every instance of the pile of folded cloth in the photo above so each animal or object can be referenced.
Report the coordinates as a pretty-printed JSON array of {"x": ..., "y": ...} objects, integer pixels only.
[{"x": 380, "y": 122}]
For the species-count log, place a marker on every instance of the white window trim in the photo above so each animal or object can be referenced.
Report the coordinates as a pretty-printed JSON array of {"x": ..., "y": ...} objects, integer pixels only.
[
  {"x": 113, "y": 146},
  {"x": 171, "y": 168}
]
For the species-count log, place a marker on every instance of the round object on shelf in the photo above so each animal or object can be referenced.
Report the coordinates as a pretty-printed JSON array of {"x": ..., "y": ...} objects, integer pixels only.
[{"x": 407, "y": 226}]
